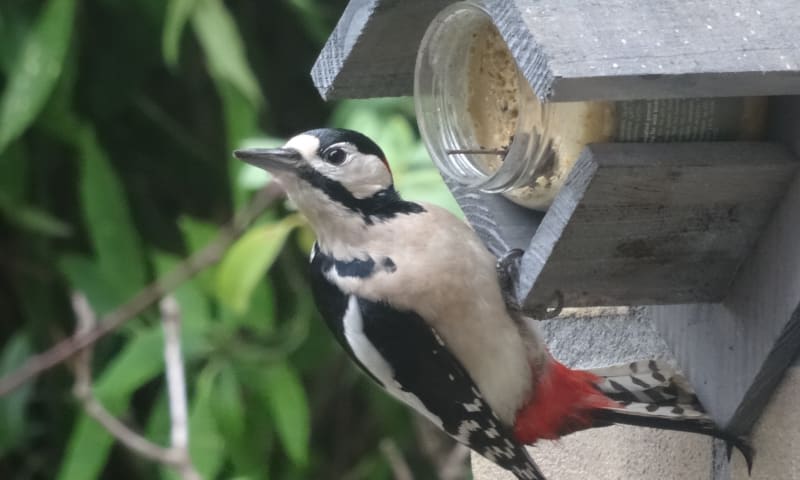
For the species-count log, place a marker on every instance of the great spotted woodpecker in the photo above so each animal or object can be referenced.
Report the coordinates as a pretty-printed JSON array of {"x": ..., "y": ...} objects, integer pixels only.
[{"x": 414, "y": 298}]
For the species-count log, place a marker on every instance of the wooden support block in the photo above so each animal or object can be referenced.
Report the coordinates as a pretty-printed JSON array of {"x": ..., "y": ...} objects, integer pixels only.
[
  {"x": 735, "y": 352},
  {"x": 646, "y": 224},
  {"x": 584, "y": 49}
]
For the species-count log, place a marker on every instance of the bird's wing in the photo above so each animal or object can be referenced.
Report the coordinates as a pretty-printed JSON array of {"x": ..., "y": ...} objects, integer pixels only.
[{"x": 406, "y": 356}]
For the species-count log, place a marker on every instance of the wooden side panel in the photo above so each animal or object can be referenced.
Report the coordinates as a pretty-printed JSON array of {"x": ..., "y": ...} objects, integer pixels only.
[
  {"x": 501, "y": 224},
  {"x": 736, "y": 352},
  {"x": 645, "y": 224}
]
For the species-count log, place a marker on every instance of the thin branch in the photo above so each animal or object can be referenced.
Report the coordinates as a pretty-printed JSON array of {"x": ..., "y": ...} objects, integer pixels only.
[
  {"x": 96, "y": 410},
  {"x": 454, "y": 465},
  {"x": 150, "y": 294},
  {"x": 397, "y": 462},
  {"x": 176, "y": 387}
]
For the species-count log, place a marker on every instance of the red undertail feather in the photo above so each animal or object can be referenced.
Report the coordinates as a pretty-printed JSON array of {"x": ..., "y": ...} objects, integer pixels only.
[{"x": 563, "y": 402}]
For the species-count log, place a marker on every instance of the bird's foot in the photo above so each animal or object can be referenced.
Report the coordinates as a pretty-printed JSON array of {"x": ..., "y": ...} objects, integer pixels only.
[{"x": 507, "y": 267}]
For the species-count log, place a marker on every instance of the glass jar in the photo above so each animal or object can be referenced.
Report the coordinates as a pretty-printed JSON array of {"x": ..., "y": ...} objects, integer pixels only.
[{"x": 485, "y": 128}]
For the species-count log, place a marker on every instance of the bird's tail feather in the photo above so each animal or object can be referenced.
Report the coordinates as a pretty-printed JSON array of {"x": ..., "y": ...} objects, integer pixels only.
[{"x": 654, "y": 394}]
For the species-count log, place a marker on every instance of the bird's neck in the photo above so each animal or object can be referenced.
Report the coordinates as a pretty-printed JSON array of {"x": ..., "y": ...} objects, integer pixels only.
[{"x": 345, "y": 228}]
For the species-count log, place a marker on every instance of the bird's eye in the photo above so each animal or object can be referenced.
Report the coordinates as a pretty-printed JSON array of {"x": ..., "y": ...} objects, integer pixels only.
[{"x": 335, "y": 156}]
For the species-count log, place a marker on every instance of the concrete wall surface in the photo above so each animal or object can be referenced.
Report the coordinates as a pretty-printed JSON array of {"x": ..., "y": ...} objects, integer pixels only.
[{"x": 630, "y": 453}]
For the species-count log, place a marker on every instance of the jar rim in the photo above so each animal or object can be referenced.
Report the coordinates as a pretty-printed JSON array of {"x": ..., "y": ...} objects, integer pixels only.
[{"x": 440, "y": 78}]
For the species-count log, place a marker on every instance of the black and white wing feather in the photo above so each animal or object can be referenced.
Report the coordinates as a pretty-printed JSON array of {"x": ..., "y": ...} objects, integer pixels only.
[{"x": 407, "y": 357}]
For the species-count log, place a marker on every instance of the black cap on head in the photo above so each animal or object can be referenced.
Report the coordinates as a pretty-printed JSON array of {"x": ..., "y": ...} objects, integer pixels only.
[{"x": 330, "y": 136}]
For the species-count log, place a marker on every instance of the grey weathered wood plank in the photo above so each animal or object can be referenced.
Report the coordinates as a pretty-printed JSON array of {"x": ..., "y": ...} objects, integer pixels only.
[
  {"x": 501, "y": 224},
  {"x": 622, "y": 49},
  {"x": 584, "y": 49},
  {"x": 372, "y": 50},
  {"x": 735, "y": 352},
  {"x": 644, "y": 224}
]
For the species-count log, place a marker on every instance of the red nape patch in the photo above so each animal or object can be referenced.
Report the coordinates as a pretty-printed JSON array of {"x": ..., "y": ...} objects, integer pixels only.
[{"x": 562, "y": 403}]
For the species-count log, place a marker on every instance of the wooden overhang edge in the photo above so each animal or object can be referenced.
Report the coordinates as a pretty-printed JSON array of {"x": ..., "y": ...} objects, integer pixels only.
[{"x": 581, "y": 50}]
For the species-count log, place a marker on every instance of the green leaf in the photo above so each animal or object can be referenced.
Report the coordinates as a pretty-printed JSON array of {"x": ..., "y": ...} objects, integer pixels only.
[
  {"x": 108, "y": 218},
  {"x": 88, "y": 446},
  {"x": 197, "y": 235},
  {"x": 259, "y": 318},
  {"x": 14, "y": 171},
  {"x": 286, "y": 399},
  {"x": 241, "y": 121},
  {"x": 12, "y": 406},
  {"x": 158, "y": 422},
  {"x": 37, "y": 69},
  {"x": 195, "y": 308},
  {"x": 178, "y": 13},
  {"x": 85, "y": 276},
  {"x": 228, "y": 404},
  {"x": 426, "y": 185},
  {"x": 33, "y": 219},
  {"x": 249, "y": 259},
  {"x": 313, "y": 17},
  {"x": 223, "y": 47}
]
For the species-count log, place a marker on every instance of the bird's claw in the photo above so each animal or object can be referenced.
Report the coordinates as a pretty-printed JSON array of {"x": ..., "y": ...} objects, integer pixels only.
[
  {"x": 549, "y": 310},
  {"x": 507, "y": 267},
  {"x": 508, "y": 276}
]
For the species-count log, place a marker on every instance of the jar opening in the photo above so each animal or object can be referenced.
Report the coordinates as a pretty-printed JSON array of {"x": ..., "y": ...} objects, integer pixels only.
[{"x": 471, "y": 97}]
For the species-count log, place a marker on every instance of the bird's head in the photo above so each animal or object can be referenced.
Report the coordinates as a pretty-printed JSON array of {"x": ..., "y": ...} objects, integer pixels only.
[{"x": 334, "y": 176}]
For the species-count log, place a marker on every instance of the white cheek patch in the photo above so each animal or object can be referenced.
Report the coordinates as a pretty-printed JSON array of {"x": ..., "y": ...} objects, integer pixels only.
[
  {"x": 365, "y": 175},
  {"x": 307, "y": 145}
]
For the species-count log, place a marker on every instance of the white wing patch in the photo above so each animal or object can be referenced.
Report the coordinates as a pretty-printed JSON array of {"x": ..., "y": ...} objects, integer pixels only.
[{"x": 373, "y": 361}]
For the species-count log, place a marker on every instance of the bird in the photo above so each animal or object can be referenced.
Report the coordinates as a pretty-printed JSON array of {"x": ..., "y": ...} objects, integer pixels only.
[{"x": 425, "y": 310}]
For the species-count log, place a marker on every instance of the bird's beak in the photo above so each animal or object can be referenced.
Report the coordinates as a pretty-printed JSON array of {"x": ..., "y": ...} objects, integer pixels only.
[{"x": 272, "y": 159}]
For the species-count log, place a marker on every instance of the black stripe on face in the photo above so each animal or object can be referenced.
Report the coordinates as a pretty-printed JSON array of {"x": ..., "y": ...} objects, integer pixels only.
[{"x": 383, "y": 205}]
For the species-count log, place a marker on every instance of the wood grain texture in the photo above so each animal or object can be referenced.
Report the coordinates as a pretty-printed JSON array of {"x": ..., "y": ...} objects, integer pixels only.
[
  {"x": 623, "y": 49},
  {"x": 584, "y": 49},
  {"x": 501, "y": 224},
  {"x": 736, "y": 352},
  {"x": 646, "y": 224},
  {"x": 372, "y": 50}
]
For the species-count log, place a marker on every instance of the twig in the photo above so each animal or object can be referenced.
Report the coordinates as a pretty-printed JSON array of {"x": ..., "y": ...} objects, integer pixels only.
[
  {"x": 177, "y": 455},
  {"x": 454, "y": 465},
  {"x": 394, "y": 456},
  {"x": 176, "y": 387},
  {"x": 83, "y": 391},
  {"x": 201, "y": 260},
  {"x": 448, "y": 457}
]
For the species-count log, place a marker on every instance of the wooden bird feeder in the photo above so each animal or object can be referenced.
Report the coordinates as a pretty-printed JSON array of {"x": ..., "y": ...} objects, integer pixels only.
[{"x": 704, "y": 235}]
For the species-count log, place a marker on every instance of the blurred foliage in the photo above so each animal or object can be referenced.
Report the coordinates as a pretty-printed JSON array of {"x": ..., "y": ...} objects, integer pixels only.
[{"x": 117, "y": 119}]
